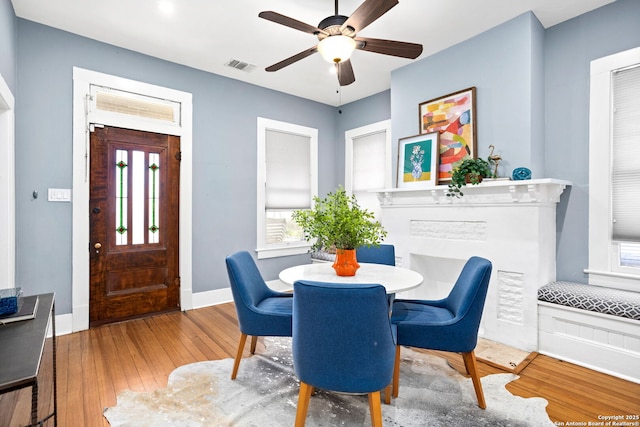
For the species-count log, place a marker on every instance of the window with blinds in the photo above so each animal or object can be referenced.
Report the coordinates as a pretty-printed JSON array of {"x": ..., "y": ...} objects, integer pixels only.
[
  {"x": 287, "y": 181},
  {"x": 614, "y": 170},
  {"x": 116, "y": 102},
  {"x": 625, "y": 166},
  {"x": 288, "y": 184},
  {"x": 369, "y": 161}
]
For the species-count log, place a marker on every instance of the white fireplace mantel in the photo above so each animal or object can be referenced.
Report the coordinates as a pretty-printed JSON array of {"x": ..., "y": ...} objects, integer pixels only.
[
  {"x": 511, "y": 223},
  {"x": 547, "y": 190}
]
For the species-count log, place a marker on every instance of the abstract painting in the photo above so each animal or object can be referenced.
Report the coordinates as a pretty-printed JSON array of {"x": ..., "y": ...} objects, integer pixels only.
[{"x": 454, "y": 117}]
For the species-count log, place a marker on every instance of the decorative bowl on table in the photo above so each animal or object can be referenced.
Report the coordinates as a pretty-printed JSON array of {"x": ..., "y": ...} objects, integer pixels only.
[{"x": 9, "y": 299}]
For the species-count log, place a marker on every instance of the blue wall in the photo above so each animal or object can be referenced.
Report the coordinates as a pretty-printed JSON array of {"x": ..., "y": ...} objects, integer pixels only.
[
  {"x": 532, "y": 104},
  {"x": 372, "y": 109},
  {"x": 501, "y": 64},
  {"x": 569, "y": 48},
  {"x": 8, "y": 44},
  {"x": 224, "y": 135}
]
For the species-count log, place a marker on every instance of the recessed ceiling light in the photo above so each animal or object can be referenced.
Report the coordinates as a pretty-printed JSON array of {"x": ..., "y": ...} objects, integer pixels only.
[{"x": 166, "y": 7}]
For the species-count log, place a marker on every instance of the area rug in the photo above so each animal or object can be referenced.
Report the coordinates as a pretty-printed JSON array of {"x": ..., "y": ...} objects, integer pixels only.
[{"x": 265, "y": 394}]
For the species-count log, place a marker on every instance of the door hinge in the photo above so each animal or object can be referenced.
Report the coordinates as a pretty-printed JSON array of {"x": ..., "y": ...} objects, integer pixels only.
[
  {"x": 93, "y": 126},
  {"x": 179, "y": 156},
  {"x": 177, "y": 283}
]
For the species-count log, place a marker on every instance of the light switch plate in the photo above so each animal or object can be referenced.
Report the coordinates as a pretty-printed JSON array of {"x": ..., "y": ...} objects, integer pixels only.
[{"x": 59, "y": 195}]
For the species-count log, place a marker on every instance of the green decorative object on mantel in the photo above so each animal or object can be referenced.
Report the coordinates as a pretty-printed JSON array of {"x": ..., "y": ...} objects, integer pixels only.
[{"x": 470, "y": 171}]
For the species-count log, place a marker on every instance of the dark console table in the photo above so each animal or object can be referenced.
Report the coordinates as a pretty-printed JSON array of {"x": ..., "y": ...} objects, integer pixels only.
[{"x": 21, "y": 348}]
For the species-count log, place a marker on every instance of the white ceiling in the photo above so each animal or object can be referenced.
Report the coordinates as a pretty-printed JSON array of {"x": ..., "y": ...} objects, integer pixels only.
[{"x": 206, "y": 34}]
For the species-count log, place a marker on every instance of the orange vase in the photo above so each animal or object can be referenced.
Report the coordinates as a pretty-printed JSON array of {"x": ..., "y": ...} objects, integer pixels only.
[{"x": 346, "y": 263}]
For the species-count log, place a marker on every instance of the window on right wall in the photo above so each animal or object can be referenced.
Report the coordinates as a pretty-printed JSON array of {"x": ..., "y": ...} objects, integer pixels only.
[{"x": 614, "y": 171}]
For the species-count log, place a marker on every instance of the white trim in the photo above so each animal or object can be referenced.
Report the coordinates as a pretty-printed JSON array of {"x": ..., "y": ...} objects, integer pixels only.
[
  {"x": 7, "y": 187},
  {"x": 601, "y": 247},
  {"x": 350, "y": 135},
  {"x": 270, "y": 251},
  {"x": 200, "y": 300},
  {"x": 597, "y": 341},
  {"x": 82, "y": 81},
  {"x": 224, "y": 295}
]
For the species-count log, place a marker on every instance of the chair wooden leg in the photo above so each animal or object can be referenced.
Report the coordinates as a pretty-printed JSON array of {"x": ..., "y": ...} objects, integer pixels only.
[
  {"x": 396, "y": 373},
  {"x": 387, "y": 394},
  {"x": 236, "y": 364},
  {"x": 376, "y": 409},
  {"x": 472, "y": 369},
  {"x": 254, "y": 340},
  {"x": 303, "y": 403}
]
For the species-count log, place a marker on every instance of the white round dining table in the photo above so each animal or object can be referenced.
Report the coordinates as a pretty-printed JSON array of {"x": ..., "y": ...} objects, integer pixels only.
[{"x": 394, "y": 279}]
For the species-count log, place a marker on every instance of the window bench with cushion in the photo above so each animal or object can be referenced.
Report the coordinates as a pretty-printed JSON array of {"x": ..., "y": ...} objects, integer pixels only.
[{"x": 592, "y": 326}]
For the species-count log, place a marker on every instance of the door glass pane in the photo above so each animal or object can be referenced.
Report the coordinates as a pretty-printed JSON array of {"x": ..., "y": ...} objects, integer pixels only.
[
  {"x": 121, "y": 197},
  {"x": 154, "y": 196},
  {"x": 137, "y": 197}
]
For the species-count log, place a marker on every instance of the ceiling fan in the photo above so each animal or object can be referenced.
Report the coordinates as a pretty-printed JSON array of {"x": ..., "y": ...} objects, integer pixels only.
[{"x": 337, "y": 35}]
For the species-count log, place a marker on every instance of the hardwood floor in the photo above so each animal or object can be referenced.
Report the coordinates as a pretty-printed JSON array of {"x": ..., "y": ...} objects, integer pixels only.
[{"x": 95, "y": 365}]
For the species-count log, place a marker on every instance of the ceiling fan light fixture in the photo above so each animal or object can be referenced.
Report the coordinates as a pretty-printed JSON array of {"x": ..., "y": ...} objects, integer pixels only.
[{"x": 336, "y": 49}]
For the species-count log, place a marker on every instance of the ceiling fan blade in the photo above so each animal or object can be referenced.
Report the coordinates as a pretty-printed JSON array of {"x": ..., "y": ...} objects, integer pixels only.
[
  {"x": 295, "y": 58},
  {"x": 368, "y": 12},
  {"x": 290, "y": 22},
  {"x": 389, "y": 47},
  {"x": 345, "y": 73}
]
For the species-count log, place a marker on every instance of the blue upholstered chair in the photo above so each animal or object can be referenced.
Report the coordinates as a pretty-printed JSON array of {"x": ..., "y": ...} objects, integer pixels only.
[
  {"x": 449, "y": 324},
  {"x": 343, "y": 341},
  {"x": 261, "y": 310},
  {"x": 383, "y": 254}
]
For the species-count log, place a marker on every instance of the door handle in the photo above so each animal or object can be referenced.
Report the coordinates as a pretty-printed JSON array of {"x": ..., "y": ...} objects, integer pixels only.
[{"x": 97, "y": 246}]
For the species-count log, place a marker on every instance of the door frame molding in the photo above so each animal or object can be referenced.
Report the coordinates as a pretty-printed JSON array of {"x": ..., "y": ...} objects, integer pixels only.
[
  {"x": 7, "y": 187},
  {"x": 82, "y": 81}
]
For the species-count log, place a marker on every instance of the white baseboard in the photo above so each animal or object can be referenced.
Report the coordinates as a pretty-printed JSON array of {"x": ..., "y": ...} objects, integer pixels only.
[
  {"x": 64, "y": 323},
  {"x": 221, "y": 296},
  {"x": 215, "y": 297},
  {"x": 604, "y": 343}
]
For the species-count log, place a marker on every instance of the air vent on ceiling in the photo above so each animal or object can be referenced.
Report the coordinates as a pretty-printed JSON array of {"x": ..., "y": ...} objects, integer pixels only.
[{"x": 240, "y": 65}]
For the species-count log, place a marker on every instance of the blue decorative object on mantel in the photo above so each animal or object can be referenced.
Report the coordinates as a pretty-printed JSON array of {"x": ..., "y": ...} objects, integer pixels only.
[{"x": 520, "y": 174}]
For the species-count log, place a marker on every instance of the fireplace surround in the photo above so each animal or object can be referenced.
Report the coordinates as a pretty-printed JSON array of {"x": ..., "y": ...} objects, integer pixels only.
[{"x": 511, "y": 223}]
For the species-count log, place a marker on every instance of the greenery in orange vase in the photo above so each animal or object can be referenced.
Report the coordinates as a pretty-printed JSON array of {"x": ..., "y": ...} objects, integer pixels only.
[{"x": 338, "y": 221}]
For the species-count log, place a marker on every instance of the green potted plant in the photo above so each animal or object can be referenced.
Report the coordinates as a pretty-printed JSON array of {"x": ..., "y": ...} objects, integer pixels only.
[
  {"x": 338, "y": 221},
  {"x": 470, "y": 171}
]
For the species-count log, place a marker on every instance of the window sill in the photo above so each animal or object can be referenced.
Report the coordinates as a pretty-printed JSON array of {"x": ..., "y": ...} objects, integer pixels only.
[
  {"x": 279, "y": 251},
  {"x": 628, "y": 282}
]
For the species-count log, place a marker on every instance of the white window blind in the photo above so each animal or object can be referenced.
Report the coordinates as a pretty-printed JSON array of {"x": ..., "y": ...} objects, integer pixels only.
[
  {"x": 625, "y": 167},
  {"x": 113, "y": 101},
  {"x": 288, "y": 171},
  {"x": 369, "y": 157}
]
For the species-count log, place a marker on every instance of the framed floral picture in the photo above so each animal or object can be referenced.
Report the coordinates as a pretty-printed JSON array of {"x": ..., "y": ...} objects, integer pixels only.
[
  {"x": 454, "y": 117},
  {"x": 418, "y": 161}
]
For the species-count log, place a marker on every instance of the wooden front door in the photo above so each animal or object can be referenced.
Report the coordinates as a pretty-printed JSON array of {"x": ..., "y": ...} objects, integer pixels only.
[{"x": 133, "y": 210}]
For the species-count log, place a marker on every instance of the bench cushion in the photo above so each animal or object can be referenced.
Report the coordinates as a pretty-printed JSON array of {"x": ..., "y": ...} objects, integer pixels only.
[{"x": 593, "y": 298}]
